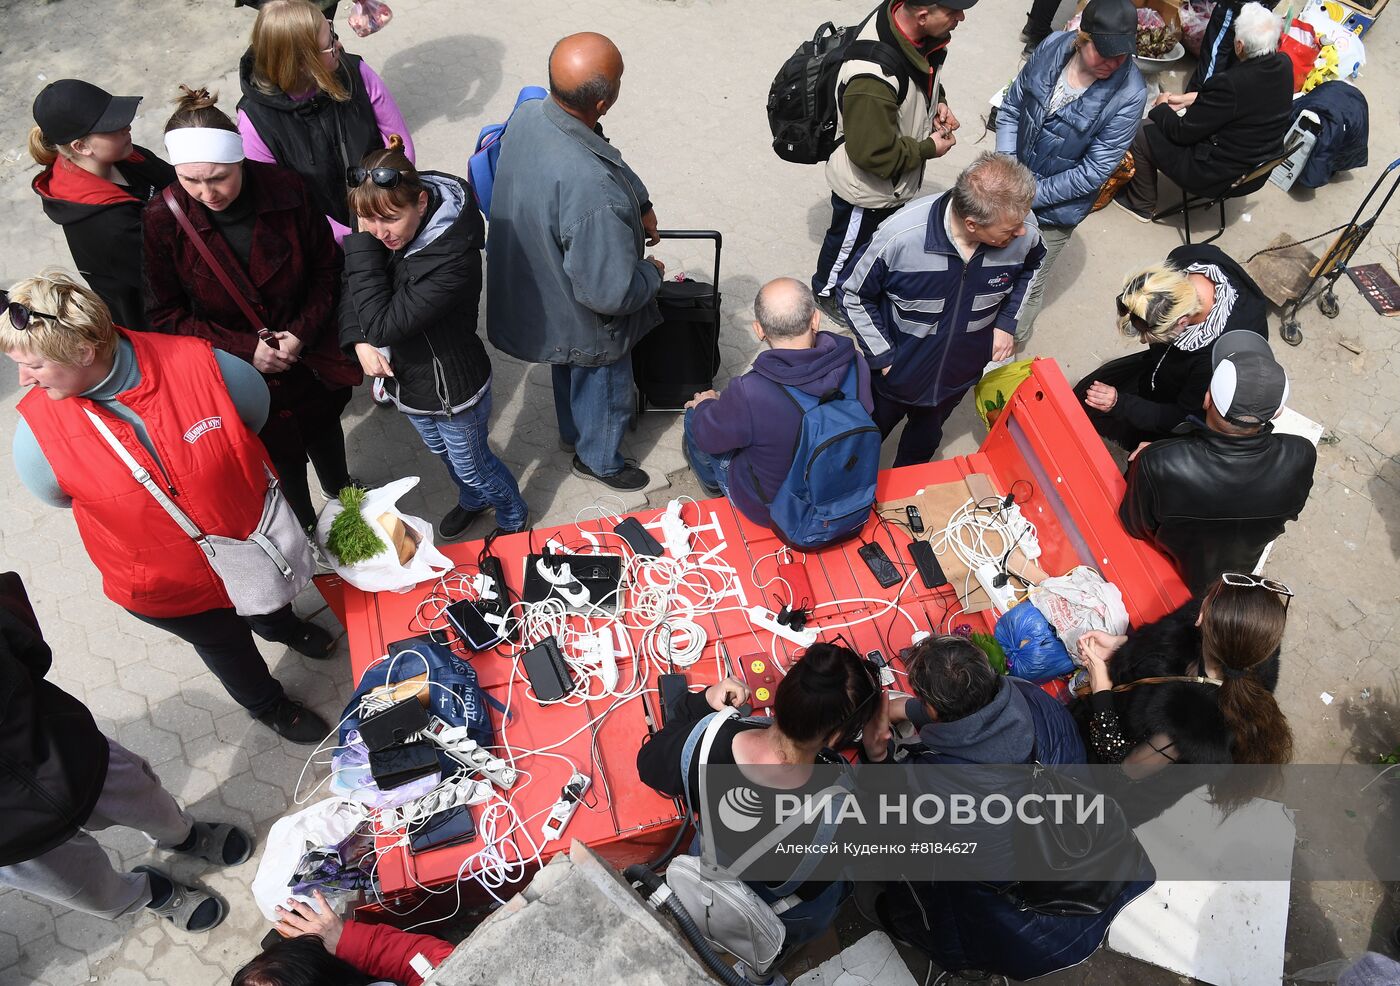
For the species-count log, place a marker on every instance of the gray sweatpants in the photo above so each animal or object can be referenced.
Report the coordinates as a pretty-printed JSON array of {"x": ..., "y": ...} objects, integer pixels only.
[
  {"x": 1054, "y": 238},
  {"x": 79, "y": 874}
]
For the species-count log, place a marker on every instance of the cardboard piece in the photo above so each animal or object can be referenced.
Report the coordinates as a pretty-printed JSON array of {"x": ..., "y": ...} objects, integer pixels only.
[
  {"x": 1282, "y": 272},
  {"x": 937, "y": 504}
]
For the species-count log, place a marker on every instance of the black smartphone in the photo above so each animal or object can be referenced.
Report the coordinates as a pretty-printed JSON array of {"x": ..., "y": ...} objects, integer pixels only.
[
  {"x": 639, "y": 538},
  {"x": 673, "y": 689},
  {"x": 471, "y": 627},
  {"x": 446, "y": 828},
  {"x": 930, "y": 572},
  {"x": 880, "y": 565}
]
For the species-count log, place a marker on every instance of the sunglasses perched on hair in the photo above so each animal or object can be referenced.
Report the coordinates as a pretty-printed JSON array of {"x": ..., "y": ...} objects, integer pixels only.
[
  {"x": 383, "y": 177},
  {"x": 21, "y": 315},
  {"x": 1242, "y": 581},
  {"x": 1133, "y": 318}
]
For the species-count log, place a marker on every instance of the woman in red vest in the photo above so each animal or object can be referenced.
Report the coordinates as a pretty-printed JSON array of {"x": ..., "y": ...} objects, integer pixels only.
[
  {"x": 256, "y": 275},
  {"x": 189, "y": 415}
]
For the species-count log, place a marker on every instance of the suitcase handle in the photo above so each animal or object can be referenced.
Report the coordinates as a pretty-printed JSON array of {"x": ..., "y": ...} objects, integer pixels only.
[{"x": 699, "y": 234}]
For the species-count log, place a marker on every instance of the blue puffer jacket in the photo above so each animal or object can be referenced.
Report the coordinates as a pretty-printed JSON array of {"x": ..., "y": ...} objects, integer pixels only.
[{"x": 1073, "y": 152}]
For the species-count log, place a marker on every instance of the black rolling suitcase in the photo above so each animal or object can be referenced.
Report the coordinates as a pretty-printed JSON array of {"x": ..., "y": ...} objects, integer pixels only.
[{"x": 680, "y": 357}]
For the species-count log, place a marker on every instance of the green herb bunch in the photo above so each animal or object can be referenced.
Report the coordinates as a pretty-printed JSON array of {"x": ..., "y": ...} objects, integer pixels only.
[{"x": 351, "y": 538}]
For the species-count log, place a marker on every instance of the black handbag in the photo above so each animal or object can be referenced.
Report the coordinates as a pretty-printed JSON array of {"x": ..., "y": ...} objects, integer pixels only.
[{"x": 1075, "y": 850}]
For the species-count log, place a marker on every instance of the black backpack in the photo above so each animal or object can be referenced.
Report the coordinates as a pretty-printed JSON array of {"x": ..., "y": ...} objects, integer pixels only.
[{"x": 803, "y": 100}]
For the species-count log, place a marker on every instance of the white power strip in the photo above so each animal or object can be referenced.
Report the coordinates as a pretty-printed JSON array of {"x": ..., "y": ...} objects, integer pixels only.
[
  {"x": 456, "y": 744},
  {"x": 459, "y": 790},
  {"x": 1003, "y": 597},
  {"x": 765, "y": 619},
  {"x": 565, "y": 807}
]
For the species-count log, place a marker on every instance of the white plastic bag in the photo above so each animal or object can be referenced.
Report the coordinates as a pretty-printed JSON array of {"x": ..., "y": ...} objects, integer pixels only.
[
  {"x": 325, "y": 823},
  {"x": 383, "y": 571},
  {"x": 1078, "y": 601}
]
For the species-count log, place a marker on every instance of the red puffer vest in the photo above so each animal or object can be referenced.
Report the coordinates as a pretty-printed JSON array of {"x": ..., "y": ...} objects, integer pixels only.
[{"x": 210, "y": 464}]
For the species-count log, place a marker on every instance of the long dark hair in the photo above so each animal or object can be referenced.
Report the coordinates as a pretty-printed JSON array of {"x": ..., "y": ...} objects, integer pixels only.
[
  {"x": 829, "y": 690},
  {"x": 1241, "y": 628},
  {"x": 301, "y": 961}
]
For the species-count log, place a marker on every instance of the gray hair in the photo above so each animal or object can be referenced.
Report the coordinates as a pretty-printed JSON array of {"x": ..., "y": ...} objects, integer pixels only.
[
  {"x": 994, "y": 186},
  {"x": 784, "y": 314},
  {"x": 952, "y": 676},
  {"x": 1257, "y": 30},
  {"x": 585, "y": 97}
]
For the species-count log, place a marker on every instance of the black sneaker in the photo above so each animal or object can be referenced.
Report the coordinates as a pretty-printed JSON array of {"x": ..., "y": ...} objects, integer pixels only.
[
  {"x": 295, "y": 723},
  {"x": 833, "y": 310},
  {"x": 628, "y": 479},
  {"x": 456, "y": 522}
]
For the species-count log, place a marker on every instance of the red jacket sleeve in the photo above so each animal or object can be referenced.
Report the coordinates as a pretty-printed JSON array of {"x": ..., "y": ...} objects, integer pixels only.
[{"x": 383, "y": 951}]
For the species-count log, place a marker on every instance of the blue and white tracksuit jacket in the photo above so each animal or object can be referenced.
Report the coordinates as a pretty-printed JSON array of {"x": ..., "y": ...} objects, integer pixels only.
[{"x": 917, "y": 308}]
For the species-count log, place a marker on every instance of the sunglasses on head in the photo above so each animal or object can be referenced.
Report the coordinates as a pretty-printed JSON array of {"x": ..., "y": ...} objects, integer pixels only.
[
  {"x": 21, "y": 315},
  {"x": 1242, "y": 581},
  {"x": 383, "y": 177}
]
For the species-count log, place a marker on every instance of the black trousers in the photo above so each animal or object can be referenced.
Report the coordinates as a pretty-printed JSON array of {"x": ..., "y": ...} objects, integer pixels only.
[
  {"x": 304, "y": 423},
  {"x": 852, "y": 227},
  {"x": 924, "y": 431},
  {"x": 224, "y": 641},
  {"x": 1124, "y": 374}
]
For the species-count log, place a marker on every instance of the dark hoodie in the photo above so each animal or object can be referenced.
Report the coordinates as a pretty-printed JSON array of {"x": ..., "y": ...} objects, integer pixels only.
[
  {"x": 756, "y": 419},
  {"x": 102, "y": 223},
  {"x": 1003, "y": 731}
]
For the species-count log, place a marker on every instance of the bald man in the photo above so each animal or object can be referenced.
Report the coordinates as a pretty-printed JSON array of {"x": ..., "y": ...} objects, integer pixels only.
[
  {"x": 569, "y": 280},
  {"x": 740, "y": 443}
]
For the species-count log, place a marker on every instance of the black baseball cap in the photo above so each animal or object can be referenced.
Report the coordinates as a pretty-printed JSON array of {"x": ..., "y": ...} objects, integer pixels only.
[
  {"x": 1248, "y": 385},
  {"x": 1113, "y": 26},
  {"x": 70, "y": 108}
]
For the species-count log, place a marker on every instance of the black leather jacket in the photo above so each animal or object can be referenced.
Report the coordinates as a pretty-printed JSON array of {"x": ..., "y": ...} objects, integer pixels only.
[{"x": 1212, "y": 502}]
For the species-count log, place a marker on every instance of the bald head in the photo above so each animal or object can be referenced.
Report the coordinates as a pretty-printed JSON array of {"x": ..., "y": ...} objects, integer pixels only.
[
  {"x": 585, "y": 73},
  {"x": 785, "y": 310}
]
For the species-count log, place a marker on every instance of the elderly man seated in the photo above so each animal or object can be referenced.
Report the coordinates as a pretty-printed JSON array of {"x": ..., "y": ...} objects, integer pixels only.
[{"x": 1236, "y": 121}]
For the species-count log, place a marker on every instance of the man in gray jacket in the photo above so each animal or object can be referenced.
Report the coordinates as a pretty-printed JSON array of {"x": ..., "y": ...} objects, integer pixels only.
[{"x": 568, "y": 280}]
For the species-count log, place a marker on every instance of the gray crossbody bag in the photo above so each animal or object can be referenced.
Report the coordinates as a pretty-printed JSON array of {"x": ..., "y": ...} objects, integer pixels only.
[{"x": 262, "y": 573}]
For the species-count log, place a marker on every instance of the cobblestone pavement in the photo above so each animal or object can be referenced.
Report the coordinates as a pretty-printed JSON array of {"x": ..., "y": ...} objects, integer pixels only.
[{"x": 691, "y": 121}]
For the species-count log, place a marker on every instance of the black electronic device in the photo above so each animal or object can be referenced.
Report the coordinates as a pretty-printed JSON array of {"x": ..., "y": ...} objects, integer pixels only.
[
  {"x": 395, "y": 766},
  {"x": 916, "y": 519},
  {"x": 880, "y": 565},
  {"x": 930, "y": 572},
  {"x": 882, "y": 666},
  {"x": 673, "y": 689},
  {"x": 549, "y": 674},
  {"x": 580, "y": 582},
  {"x": 445, "y": 828},
  {"x": 394, "y": 726},
  {"x": 490, "y": 566},
  {"x": 641, "y": 540},
  {"x": 471, "y": 627}
]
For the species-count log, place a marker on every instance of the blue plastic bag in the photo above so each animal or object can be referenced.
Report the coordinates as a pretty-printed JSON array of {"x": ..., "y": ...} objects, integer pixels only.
[
  {"x": 1033, "y": 649},
  {"x": 455, "y": 695}
]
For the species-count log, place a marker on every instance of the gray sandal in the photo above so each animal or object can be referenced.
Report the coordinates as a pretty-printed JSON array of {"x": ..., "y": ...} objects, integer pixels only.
[
  {"x": 184, "y": 900},
  {"x": 211, "y": 839}
]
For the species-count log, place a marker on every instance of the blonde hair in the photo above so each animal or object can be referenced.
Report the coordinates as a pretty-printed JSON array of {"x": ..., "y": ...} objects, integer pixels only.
[
  {"x": 286, "y": 55},
  {"x": 44, "y": 151},
  {"x": 81, "y": 321},
  {"x": 1153, "y": 301}
]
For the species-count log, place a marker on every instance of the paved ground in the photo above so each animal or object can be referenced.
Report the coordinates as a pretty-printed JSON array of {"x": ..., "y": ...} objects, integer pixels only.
[{"x": 691, "y": 121}]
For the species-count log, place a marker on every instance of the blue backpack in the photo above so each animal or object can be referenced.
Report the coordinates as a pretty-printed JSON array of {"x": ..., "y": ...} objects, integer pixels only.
[
  {"x": 827, "y": 494},
  {"x": 481, "y": 167}
]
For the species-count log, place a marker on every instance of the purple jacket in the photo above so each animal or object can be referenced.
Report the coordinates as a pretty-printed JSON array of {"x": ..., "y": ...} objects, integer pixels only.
[{"x": 759, "y": 422}]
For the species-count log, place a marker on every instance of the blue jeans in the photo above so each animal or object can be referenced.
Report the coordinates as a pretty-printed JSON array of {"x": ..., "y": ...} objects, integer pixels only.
[
  {"x": 482, "y": 479},
  {"x": 600, "y": 397},
  {"x": 711, "y": 470}
]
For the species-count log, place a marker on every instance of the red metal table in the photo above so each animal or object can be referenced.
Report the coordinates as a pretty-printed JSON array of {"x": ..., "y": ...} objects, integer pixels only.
[{"x": 1043, "y": 439}]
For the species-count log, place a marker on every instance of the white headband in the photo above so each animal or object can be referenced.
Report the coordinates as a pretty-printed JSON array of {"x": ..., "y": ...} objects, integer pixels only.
[{"x": 203, "y": 145}]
